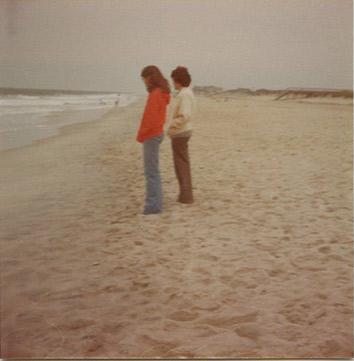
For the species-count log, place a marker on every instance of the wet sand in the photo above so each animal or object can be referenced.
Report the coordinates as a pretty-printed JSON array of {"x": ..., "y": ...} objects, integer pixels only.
[{"x": 259, "y": 266}]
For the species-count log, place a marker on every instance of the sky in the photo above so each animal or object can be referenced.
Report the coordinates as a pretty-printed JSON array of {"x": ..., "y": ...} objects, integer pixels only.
[{"x": 104, "y": 44}]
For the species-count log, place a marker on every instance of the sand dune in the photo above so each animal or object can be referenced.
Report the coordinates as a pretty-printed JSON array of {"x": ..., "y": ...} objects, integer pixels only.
[
  {"x": 259, "y": 266},
  {"x": 307, "y": 95}
]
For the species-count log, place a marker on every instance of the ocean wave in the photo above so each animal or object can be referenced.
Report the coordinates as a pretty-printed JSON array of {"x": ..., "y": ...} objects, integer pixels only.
[{"x": 22, "y": 104}]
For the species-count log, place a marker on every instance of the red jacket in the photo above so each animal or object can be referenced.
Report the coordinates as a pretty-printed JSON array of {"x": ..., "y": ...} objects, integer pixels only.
[{"x": 154, "y": 115}]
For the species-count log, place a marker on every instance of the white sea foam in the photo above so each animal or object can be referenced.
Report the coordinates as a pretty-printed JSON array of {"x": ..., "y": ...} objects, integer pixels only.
[
  {"x": 22, "y": 104},
  {"x": 24, "y": 118}
]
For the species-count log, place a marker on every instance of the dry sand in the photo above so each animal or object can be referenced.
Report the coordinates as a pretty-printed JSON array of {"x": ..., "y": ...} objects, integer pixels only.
[{"x": 259, "y": 266}]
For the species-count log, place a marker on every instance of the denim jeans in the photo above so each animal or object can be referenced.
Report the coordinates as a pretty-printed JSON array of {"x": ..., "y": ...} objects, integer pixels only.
[{"x": 153, "y": 188}]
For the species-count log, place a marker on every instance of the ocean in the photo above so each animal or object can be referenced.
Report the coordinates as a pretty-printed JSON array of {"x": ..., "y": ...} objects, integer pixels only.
[{"x": 27, "y": 117}]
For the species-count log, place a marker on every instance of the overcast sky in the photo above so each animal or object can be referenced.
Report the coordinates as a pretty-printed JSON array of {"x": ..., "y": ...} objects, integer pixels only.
[{"x": 104, "y": 44}]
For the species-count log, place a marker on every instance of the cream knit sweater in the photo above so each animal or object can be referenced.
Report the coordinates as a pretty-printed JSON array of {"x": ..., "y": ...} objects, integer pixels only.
[{"x": 183, "y": 113}]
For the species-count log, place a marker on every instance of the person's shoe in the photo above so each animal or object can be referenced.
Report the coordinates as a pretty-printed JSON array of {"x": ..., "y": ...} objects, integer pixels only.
[
  {"x": 186, "y": 201},
  {"x": 146, "y": 212}
]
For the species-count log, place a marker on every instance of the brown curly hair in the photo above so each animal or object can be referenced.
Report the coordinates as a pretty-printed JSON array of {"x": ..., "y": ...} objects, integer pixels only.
[
  {"x": 181, "y": 76},
  {"x": 155, "y": 79}
]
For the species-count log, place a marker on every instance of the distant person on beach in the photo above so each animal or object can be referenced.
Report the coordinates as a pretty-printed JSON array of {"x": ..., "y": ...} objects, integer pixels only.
[
  {"x": 151, "y": 135},
  {"x": 180, "y": 132}
]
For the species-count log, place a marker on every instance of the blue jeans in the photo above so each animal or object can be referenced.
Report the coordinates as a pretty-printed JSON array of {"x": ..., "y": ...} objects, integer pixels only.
[{"x": 153, "y": 188}]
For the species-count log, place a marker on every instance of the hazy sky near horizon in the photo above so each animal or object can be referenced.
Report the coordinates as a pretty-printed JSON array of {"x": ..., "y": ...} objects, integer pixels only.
[{"x": 104, "y": 44}]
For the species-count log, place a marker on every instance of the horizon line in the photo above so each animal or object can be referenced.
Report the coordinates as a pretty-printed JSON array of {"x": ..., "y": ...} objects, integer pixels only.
[{"x": 195, "y": 86}]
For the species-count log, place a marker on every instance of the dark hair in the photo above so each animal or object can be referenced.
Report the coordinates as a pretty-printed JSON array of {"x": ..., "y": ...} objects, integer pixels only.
[
  {"x": 155, "y": 79},
  {"x": 181, "y": 76}
]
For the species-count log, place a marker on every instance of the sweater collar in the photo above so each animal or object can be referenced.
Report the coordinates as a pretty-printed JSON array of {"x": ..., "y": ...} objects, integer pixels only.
[{"x": 182, "y": 90}]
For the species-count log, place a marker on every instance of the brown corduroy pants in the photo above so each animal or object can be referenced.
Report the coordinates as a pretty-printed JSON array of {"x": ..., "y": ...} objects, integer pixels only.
[{"x": 182, "y": 168}]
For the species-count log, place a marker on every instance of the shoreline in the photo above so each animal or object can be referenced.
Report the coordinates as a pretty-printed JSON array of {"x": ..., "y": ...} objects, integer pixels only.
[{"x": 69, "y": 128}]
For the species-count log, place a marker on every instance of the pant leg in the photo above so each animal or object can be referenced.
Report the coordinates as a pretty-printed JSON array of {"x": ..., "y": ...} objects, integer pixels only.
[
  {"x": 153, "y": 187},
  {"x": 175, "y": 155},
  {"x": 182, "y": 168}
]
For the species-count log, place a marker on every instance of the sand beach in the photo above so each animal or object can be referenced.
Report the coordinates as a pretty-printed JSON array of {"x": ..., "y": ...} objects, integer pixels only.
[{"x": 259, "y": 266}]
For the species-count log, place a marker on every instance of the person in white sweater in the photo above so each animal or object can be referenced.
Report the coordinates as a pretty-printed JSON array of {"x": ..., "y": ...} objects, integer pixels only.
[{"x": 180, "y": 132}]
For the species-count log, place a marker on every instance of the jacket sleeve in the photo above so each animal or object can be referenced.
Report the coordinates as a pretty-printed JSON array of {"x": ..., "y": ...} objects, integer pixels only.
[{"x": 150, "y": 111}]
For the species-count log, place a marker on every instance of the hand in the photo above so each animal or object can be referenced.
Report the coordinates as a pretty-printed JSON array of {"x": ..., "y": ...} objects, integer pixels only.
[{"x": 170, "y": 131}]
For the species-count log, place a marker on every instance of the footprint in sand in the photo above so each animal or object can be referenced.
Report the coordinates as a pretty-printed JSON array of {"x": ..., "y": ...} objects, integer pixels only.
[
  {"x": 159, "y": 345},
  {"x": 150, "y": 292},
  {"x": 232, "y": 281},
  {"x": 113, "y": 230},
  {"x": 336, "y": 257},
  {"x": 208, "y": 257},
  {"x": 180, "y": 353},
  {"x": 114, "y": 328},
  {"x": 252, "y": 286},
  {"x": 65, "y": 295},
  {"x": 276, "y": 272},
  {"x": 170, "y": 326},
  {"x": 29, "y": 341},
  {"x": 226, "y": 279},
  {"x": 201, "y": 271},
  {"x": 321, "y": 296},
  {"x": 230, "y": 321},
  {"x": 246, "y": 270},
  {"x": 93, "y": 343},
  {"x": 183, "y": 316},
  {"x": 248, "y": 331},
  {"x": 205, "y": 305},
  {"x": 77, "y": 324},
  {"x": 324, "y": 249},
  {"x": 112, "y": 289},
  {"x": 140, "y": 284},
  {"x": 330, "y": 348},
  {"x": 306, "y": 263},
  {"x": 170, "y": 289},
  {"x": 302, "y": 313}
]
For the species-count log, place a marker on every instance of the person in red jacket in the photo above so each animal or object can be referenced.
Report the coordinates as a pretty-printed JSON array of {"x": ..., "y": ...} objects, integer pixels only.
[{"x": 151, "y": 134}]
